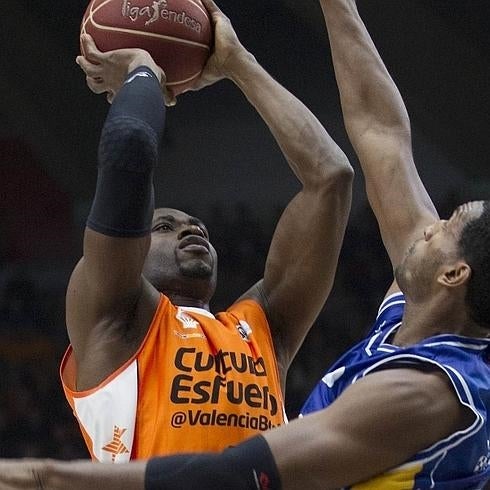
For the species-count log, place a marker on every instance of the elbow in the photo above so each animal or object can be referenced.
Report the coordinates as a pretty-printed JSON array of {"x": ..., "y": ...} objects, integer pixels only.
[
  {"x": 336, "y": 174},
  {"x": 128, "y": 144},
  {"x": 343, "y": 170}
]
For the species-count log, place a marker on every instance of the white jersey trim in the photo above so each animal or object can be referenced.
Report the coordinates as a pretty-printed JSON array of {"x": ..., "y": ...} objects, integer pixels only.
[
  {"x": 463, "y": 345},
  {"x": 387, "y": 302},
  {"x": 108, "y": 416},
  {"x": 200, "y": 311}
]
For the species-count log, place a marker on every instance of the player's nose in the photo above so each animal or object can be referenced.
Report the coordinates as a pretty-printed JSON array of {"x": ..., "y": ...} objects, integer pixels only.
[{"x": 191, "y": 230}]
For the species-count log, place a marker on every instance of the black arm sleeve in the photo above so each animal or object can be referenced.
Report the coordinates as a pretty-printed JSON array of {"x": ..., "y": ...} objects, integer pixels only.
[
  {"x": 248, "y": 466},
  {"x": 128, "y": 152}
]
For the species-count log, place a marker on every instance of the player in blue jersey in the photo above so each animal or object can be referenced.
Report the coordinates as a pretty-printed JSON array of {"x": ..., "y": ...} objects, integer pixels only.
[
  {"x": 424, "y": 365},
  {"x": 405, "y": 409}
]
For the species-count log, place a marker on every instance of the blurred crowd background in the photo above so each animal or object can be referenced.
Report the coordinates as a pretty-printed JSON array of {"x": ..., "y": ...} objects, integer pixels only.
[{"x": 221, "y": 164}]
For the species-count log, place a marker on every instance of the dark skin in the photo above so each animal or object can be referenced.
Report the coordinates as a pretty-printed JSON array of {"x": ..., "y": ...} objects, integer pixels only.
[
  {"x": 114, "y": 290},
  {"x": 383, "y": 419}
]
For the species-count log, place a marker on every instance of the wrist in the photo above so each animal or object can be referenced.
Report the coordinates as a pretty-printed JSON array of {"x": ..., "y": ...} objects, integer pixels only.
[
  {"x": 237, "y": 64},
  {"x": 144, "y": 59},
  {"x": 250, "y": 465}
]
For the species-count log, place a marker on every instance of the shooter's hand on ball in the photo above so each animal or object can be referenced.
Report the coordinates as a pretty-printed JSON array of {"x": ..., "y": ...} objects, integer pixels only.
[
  {"x": 228, "y": 51},
  {"x": 106, "y": 72}
]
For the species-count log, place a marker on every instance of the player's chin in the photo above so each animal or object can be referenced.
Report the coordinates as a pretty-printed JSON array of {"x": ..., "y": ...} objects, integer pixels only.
[{"x": 198, "y": 267}]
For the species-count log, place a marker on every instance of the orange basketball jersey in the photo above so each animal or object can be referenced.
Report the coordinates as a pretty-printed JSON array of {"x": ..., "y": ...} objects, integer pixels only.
[{"x": 197, "y": 383}]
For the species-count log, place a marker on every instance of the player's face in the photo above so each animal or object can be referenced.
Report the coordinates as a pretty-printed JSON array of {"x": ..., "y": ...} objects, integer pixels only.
[
  {"x": 181, "y": 256},
  {"x": 438, "y": 247}
]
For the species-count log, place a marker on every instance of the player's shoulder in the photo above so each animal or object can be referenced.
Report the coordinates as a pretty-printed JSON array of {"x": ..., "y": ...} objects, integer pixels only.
[{"x": 423, "y": 393}]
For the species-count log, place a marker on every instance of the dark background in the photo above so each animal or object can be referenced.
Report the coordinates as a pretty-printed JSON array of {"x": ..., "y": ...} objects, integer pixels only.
[{"x": 221, "y": 164}]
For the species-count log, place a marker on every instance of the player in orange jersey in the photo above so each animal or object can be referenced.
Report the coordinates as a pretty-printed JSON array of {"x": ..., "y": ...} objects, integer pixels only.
[{"x": 150, "y": 370}]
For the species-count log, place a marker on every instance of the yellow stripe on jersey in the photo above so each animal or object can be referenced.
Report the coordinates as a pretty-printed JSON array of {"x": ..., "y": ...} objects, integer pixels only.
[{"x": 393, "y": 480}]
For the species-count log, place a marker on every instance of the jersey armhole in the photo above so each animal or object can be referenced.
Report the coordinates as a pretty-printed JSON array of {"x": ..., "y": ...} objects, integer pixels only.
[{"x": 459, "y": 387}]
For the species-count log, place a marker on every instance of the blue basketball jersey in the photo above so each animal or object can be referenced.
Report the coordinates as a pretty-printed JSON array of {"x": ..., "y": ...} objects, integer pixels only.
[{"x": 459, "y": 462}]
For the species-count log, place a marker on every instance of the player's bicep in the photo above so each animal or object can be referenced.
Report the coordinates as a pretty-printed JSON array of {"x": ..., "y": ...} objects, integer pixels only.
[
  {"x": 377, "y": 424},
  {"x": 302, "y": 259},
  {"x": 106, "y": 281},
  {"x": 114, "y": 261}
]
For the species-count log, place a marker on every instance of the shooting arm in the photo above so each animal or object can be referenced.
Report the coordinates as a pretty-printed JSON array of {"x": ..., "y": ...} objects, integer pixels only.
[
  {"x": 303, "y": 255},
  {"x": 304, "y": 251},
  {"x": 107, "y": 283}
]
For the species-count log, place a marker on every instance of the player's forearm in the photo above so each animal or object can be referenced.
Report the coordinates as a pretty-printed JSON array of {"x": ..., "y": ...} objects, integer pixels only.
[
  {"x": 128, "y": 153},
  {"x": 369, "y": 97},
  {"x": 85, "y": 475},
  {"x": 309, "y": 149},
  {"x": 42, "y": 474}
]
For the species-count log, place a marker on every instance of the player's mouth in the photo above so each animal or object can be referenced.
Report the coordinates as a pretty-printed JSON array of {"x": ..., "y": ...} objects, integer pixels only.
[{"x": 194, "y": 243}]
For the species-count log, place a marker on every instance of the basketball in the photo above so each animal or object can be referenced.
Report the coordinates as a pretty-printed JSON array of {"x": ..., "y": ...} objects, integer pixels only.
[{"x": 177, "y": 33}]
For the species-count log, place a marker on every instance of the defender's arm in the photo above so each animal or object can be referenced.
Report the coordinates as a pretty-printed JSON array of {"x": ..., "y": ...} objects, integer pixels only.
[{"x": 379, "y": 130}]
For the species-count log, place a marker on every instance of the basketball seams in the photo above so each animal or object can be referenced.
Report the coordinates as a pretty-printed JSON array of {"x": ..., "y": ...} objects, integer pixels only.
[
  {"x": 89, "y": 15},
  {"x": 150, "y": 34},
  {"x": 178, "y": 80},
  {"x": 201, "y": 8},
  {"x": 186, "y": 80},
  {"x": 138, "y": 32}
]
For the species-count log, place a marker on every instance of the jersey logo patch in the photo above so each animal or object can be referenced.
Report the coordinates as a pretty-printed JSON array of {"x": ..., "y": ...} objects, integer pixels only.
[
  {"x": 481, "y": 465},
  {"x": 116, "y": 446},
  {"x": 186, "y": 320},
  {"x": 245, "y": 330}
]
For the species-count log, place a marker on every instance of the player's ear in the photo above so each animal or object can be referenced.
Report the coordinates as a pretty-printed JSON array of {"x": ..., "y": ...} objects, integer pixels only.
[{"x": 454, "y": 275}]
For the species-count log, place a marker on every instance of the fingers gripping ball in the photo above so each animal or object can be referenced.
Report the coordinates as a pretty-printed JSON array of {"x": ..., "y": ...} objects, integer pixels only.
[{"x": 177, "y": 33}]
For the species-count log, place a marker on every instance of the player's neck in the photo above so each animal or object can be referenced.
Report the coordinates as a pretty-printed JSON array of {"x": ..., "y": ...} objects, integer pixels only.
[
  {"x": 179, "y": 299},
  {"x": 433, "y": 317}
]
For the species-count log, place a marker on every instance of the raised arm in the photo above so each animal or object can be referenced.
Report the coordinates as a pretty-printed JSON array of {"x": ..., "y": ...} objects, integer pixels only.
[
  {"x": 107, "y": 285},
  {"x": 303, "y": 256},
  {"x": 379, "y": 129}
]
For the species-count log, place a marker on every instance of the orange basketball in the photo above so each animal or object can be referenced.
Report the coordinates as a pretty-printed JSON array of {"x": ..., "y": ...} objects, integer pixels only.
[{"x": 177, "y": 33}]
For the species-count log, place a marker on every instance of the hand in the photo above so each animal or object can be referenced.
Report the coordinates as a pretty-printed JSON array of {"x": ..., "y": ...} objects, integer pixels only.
[
  {"x": 106, "y": 72},
  {"x": 227, "y": 49}
]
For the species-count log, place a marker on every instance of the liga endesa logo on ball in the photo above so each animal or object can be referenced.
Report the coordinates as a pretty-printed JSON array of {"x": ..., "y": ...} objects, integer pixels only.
[{"x": 156, "y": 11}]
